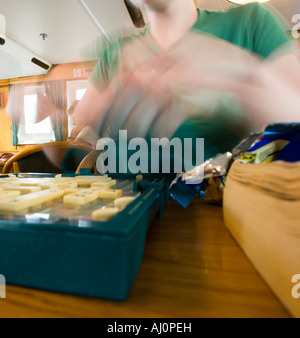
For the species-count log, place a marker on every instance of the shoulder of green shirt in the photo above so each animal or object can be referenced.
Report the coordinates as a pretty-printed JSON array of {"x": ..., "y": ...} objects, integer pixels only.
[
  {"x": 265, "y": 32},
  {"x": 109, "y": 61},
  {"x": 269, "y": 33}
]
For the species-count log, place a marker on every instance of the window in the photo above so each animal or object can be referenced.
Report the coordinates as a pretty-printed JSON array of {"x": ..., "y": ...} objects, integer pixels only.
[
  {"x": 29, "y": 131},
  {"x": 75, "y": 92}
]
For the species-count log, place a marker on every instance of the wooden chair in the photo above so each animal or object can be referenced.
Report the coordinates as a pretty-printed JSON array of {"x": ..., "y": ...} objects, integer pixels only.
[
  {"x": 89, "y": 162},
  {"x": 3, "y": 160},
  {"x": 53, "y": 157}
]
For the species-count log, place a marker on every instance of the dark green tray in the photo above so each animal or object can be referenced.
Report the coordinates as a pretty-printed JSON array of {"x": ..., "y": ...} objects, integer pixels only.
[{"x": 95, "y": 259}]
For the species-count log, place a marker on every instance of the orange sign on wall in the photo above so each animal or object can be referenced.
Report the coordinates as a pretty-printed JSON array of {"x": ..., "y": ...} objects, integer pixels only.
[{"x": 82, "y": 72}]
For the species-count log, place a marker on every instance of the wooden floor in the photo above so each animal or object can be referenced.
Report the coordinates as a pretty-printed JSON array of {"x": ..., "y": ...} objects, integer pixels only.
[{"x": 192, "y": 268}]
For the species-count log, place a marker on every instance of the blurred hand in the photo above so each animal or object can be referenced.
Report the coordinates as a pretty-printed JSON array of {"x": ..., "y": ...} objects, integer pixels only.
[{"x": 155, "y": 92}]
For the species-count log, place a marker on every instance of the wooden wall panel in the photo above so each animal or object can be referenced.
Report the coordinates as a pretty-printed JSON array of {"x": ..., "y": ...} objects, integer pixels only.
[{"x": 5, "y": 128}]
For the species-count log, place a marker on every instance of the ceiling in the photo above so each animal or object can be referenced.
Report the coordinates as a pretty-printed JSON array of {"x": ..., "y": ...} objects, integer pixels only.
[
  {"x": 70, "y": 26},
  {"x": 64, "y": 21}
]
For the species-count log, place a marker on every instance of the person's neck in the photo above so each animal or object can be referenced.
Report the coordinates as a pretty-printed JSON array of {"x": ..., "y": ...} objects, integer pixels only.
[{"x": 172, "y": 23}]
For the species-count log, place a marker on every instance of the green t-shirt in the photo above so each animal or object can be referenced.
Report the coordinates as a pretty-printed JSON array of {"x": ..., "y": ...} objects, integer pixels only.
[{"x": 251, "y": 27}]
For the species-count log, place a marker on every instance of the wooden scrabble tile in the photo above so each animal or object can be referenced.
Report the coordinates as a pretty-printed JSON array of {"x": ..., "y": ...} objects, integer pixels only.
[
  {"x": 23, "y": 190},
  {"x": 67, "y": 184},
  {"x": 123, "y": 202},
  {"x": 30, "y": 200},
  {"x": 81, "y": 198},
  {"x": 107, "y": 184},
  {"x": 9, "y": 194},
  {"x": 108, "y": 194},
  {"x": 105, "y": 214}
]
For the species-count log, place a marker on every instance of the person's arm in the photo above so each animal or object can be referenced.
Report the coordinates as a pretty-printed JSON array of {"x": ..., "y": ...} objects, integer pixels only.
[
  {"x": 273, "y": 92},
  {"x": 74, "y": 133},
  {"x": 91, "y": 106},
  {"x": 99, "y": 93}
]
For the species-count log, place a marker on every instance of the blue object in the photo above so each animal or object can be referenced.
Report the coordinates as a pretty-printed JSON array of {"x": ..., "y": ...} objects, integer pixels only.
[
  {"x": 184, "y": 193},
  {"x": 291, "y": 152},
  {"x": 288, "y": 151},
  {"x": 281, "y": 131},
  {"x": 95, "y": 259}
]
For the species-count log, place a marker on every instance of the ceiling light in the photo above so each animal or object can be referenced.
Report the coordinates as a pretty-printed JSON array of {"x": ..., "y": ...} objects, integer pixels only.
[{"x": 243, "y": 2}]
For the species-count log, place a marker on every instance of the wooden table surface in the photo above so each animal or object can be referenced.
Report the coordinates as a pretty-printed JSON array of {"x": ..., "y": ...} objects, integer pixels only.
[{"x": 192, "y": 268}]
